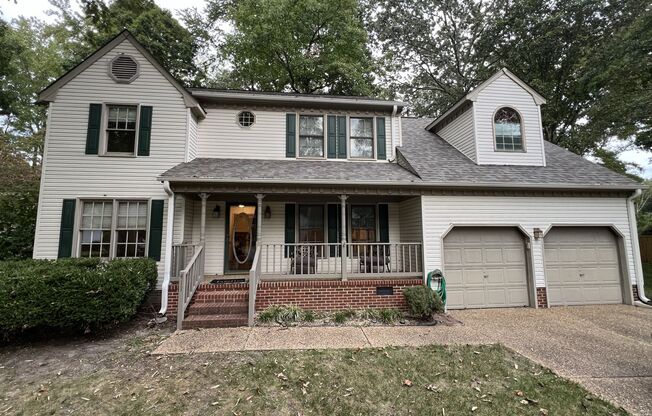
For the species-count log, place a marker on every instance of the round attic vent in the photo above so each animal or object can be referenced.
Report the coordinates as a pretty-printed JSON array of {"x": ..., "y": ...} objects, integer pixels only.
[{"x": 123, "y": 68}]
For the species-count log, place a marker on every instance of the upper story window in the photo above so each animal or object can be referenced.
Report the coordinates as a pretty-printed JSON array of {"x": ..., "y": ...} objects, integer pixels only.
[
  {"x": 508, "y": 130},
  {"x": 246, "y": 119},
  {"x": 362, "y": 137},
  {"x": 121, "y": 129},
  {"x": 311, "y": 136}
]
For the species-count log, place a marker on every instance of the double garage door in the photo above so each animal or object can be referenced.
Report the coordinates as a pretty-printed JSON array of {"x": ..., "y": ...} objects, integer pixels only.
[{"x": 487, "y": 267}]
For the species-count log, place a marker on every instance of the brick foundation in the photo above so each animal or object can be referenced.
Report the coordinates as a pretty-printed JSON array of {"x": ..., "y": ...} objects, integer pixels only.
[
  {"x": 173, "y": 299},
  {"x": 635, "y": 293},
  {"x": 542, "y": 297},
  {"x": 334, "y": 294}
]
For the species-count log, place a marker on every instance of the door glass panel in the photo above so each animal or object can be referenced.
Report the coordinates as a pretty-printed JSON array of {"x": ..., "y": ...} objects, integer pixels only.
[{"x": 241, "y": 243}]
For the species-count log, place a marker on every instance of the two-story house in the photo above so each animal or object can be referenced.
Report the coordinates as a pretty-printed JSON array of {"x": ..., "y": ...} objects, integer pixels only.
[{"x": 248, "y": 199}]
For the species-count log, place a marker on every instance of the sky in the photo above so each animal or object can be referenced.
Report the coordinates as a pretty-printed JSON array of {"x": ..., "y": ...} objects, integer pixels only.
[{"x": 38, "y": 8}]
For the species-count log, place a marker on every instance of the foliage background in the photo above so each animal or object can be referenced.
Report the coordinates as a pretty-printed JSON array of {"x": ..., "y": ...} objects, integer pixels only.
[{"x": 591, "y": 59}]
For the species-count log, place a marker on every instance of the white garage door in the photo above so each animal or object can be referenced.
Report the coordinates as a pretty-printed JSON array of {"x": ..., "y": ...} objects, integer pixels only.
[
  {"x": 485, "y": 267},
  {"x": 582, "y": 266}
]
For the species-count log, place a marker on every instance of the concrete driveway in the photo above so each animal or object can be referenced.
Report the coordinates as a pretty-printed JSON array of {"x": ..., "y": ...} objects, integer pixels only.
[{"x": 607, "y": 349}]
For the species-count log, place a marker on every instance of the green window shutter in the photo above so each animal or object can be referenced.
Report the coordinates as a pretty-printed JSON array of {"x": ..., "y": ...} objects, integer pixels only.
[
  {"x": 67, "y": 228},
  {"x": 145, "y": 130},
  {"x": 94, "y": 129},
  {"x": 383, "y": 223},
  {"x": 290, "y": 135},
  {"x": 333, "y": 227},
  {"x": 380, "y": 137},
  {"x": 341, "y": 137},
  {"x": 156, "y": 229},
  {"x": 332, "y": 137},
  {"x": 290, "y": 219}
]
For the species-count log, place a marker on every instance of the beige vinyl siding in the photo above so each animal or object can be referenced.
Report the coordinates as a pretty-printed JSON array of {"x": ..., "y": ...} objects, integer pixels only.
[
  {"x": 440, "y": 213},
  {"x": 460, "y": 133},
  {"x": 193, "y": 141},
  {"x": 220, "y": 135},
  {"x": 69, "y": 173},
  {"x": 504, "y": 92},
  {"x": 410, "y": 222}
]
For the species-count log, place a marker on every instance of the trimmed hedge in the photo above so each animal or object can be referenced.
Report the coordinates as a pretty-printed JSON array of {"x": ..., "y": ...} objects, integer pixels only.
[
  {"x": 71, "y": 294},
  {"x": 423, "y": 301}
]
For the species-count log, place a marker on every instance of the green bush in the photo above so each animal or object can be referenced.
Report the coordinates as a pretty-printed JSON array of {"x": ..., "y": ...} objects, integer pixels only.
[
  {"x": 423, "y": 301},
  {"x": 71, "y": 294},
  {"x": 309, "y": 316},
  {"x": 389, "y": 316},
  {"x": 340, "y": 317},
  {"x": 283, "y": 314}
]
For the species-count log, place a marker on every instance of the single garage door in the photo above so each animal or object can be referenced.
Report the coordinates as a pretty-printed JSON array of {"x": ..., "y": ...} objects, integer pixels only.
[
  {"x": 485, "y": 267},
  {"x": 582, "y": 266}
]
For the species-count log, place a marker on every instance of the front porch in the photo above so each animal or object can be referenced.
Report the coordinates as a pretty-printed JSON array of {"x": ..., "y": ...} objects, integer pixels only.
[{"x": 351, "y": 248}]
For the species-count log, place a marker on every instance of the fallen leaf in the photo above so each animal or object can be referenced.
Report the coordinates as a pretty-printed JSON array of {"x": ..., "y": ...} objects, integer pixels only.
[
  {"x": 86, "y": 398},
  {"x": 474, "y": 408},
  {"x": 431, "y": 387},
  {"x": 215, "y": 386},
  {"x": 543, "y": 412},
  {"x": 407, "y": 383},
  {"x": 282, "y": 376},
  {"x": 524, "y": 402},
  {"x": 519, "y": 393},
  {"x": 516, "y": 366}
]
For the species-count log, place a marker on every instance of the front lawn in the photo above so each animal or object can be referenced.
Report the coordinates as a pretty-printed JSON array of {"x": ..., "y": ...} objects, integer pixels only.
[
  {"x": 647, "y": 279},
  {"x": 118, "y": 376}
]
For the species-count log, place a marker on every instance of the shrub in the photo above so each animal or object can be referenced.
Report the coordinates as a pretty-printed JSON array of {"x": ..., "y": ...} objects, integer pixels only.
[
  {"x": 389, "y": 316},
  {"x": 340, "y": 317},
  {"x": 423, "y": 301},
  {"x": 71, "y": 294},
  {"x": 309, "y": 316},
  {"x": 370, "y": 314},
  {"x": 282, "y": 314}
]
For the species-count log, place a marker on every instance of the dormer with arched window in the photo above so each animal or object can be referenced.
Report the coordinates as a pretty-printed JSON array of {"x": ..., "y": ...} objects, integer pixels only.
[{"x": 508, "y": 130}]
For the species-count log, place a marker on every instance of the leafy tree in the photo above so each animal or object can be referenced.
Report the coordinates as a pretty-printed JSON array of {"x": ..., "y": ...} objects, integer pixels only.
[
  {"x": 302, "y": 46},
  {"x": 161, "y": 34}
]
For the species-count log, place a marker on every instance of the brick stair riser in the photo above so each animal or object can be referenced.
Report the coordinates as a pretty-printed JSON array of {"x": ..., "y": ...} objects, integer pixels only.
[
  {"x": 224, "y": 309},
  {"x": 204, "y": 287},
  {"x": 205, "y": 297},
  {"x": 231, "y": 323}
]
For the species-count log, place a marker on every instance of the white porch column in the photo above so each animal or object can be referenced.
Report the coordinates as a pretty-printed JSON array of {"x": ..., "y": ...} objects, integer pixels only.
[
  {"x": 343, "y": 234},
  {"x": 259, "y": 218},
  {"x": 202, "y": 228}
]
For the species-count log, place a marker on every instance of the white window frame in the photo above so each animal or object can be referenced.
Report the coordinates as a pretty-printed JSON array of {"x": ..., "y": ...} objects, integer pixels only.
[
  {"x": 114, "y": 221},
  {"x": 324, "y": 118},
  {"x": 522, "y": 126},
  {"x": 237, "y": 119},
  {"x": 349, "y": 140},
  {"x": 104, "y": 142}
]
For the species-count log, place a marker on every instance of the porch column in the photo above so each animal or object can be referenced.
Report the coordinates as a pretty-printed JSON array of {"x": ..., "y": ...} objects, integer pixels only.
[
  {"x": 259, "y": 217},
  {"x": 343, "y": 234},
  {"x": 202, "y": 228}
]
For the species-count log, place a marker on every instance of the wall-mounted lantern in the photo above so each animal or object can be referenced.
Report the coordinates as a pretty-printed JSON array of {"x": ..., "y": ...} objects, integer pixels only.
[
  {"x": 538, "y": 233},
  {"x": 216, "y": 211},
  {"x": 268, "y": 212}
]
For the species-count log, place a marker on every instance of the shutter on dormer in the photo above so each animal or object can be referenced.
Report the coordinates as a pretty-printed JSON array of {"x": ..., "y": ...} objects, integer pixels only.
[
  {"x": 332, "y": 137},
  {"x": 144, "y": 130},
  {"x": 290, "y": 135},
  {"x": 380, "y": 138},
  {"x": 94, "y": 128},
  {"x": 341, "y": 137}
]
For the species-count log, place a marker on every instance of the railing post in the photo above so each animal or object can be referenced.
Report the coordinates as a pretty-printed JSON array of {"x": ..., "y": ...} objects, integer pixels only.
[
  {"x": 181, "y": 307},
  {"x": 202, "y": 227},
  {"x": 343, "y": 233}
]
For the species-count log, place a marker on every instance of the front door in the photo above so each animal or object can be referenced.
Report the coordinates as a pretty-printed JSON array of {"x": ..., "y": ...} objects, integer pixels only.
[{"x": 240, "y": 238}]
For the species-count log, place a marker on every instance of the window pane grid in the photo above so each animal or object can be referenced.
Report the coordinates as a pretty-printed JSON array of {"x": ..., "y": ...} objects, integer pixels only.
[
  {"x": 507, "y": 128},
  {"x": 131, "y": 229},
  {"x": 311, "y": 136},
  {"x": 95, "y": 229},
  {"x": 311, "y": 224},
  {"x": 362, "y": 137},
  {"x": 121, "y": 129},
  {"x": 246, "y": 118}
]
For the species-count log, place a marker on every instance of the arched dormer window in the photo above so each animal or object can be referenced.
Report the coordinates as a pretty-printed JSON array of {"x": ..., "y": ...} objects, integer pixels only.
[{"x": 508, "y": 130}]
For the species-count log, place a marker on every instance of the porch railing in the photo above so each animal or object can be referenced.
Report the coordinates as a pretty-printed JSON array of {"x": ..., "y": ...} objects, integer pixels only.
[
  {"x": 330, "y": 260},
  {"x": 181, "y": 256},
  {"x": 189, "y": 279},
  {"x": 254, "y": 279}
]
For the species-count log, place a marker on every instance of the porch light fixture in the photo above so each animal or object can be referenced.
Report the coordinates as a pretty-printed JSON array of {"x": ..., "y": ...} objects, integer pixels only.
[
  {"x": 268, "y": 212},
  {"x": 538, "y": 233},
  {"x": 216, "y": 211}
]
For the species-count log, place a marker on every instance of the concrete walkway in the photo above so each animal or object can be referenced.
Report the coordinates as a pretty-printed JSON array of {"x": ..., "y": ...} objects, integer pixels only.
[{"x": 607, "y": 349}]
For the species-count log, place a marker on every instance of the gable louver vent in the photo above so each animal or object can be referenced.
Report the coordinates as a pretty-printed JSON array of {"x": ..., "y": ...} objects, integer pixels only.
[{"x": 123, "y": 68}]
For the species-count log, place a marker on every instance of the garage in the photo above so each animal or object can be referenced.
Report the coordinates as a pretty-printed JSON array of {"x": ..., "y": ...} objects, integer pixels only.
[
  {"x": 485, "y": 267},
  {"x": 582, "y": 266}
]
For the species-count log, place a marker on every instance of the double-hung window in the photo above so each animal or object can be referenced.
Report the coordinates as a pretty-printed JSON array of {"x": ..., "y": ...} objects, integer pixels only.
[
  {"x": 363, "y": 223},
  {"x": 362, "y": 137},
  {"x": 121, "y": 129},
  {"x": 113, "y": 229},
  {"x": 311, "y": 223},
  {"x": 311, "y": 136}
]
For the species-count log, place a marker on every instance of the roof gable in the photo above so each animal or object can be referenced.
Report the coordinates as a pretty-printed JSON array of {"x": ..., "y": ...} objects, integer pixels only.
[
  {"x": 473, "y": 95},
  {"x": 50, "y": 92}
]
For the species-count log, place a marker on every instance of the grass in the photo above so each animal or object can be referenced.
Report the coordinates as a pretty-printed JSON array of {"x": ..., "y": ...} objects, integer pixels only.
[
  {"x": 124, "y": 379},
  {"x": 647, "y": 279}
]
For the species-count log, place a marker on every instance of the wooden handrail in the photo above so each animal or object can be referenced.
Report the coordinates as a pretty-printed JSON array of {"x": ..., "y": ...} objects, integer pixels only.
[
  {"x": 254, "y": 278},
  {"x": 189, "y": 280}
]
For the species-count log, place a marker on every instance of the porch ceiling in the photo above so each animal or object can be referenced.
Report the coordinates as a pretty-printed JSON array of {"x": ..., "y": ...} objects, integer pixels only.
[{"x": 315, "y": 196}]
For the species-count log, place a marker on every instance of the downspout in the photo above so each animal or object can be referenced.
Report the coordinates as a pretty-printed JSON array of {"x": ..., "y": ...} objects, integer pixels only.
[
  {"x": 391, "y": 123},
  {"x": 638, "y": 267},
  {"x": 169, "y": 235}
]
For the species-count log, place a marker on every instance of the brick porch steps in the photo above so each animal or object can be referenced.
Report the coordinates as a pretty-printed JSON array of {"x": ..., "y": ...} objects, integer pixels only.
[{"x": 218, "y": 306}]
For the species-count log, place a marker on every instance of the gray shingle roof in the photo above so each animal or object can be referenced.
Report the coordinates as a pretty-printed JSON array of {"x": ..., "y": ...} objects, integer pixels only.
[
  {"x": 436, "y": 161},
  {"x": 279, "y": 171}
]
